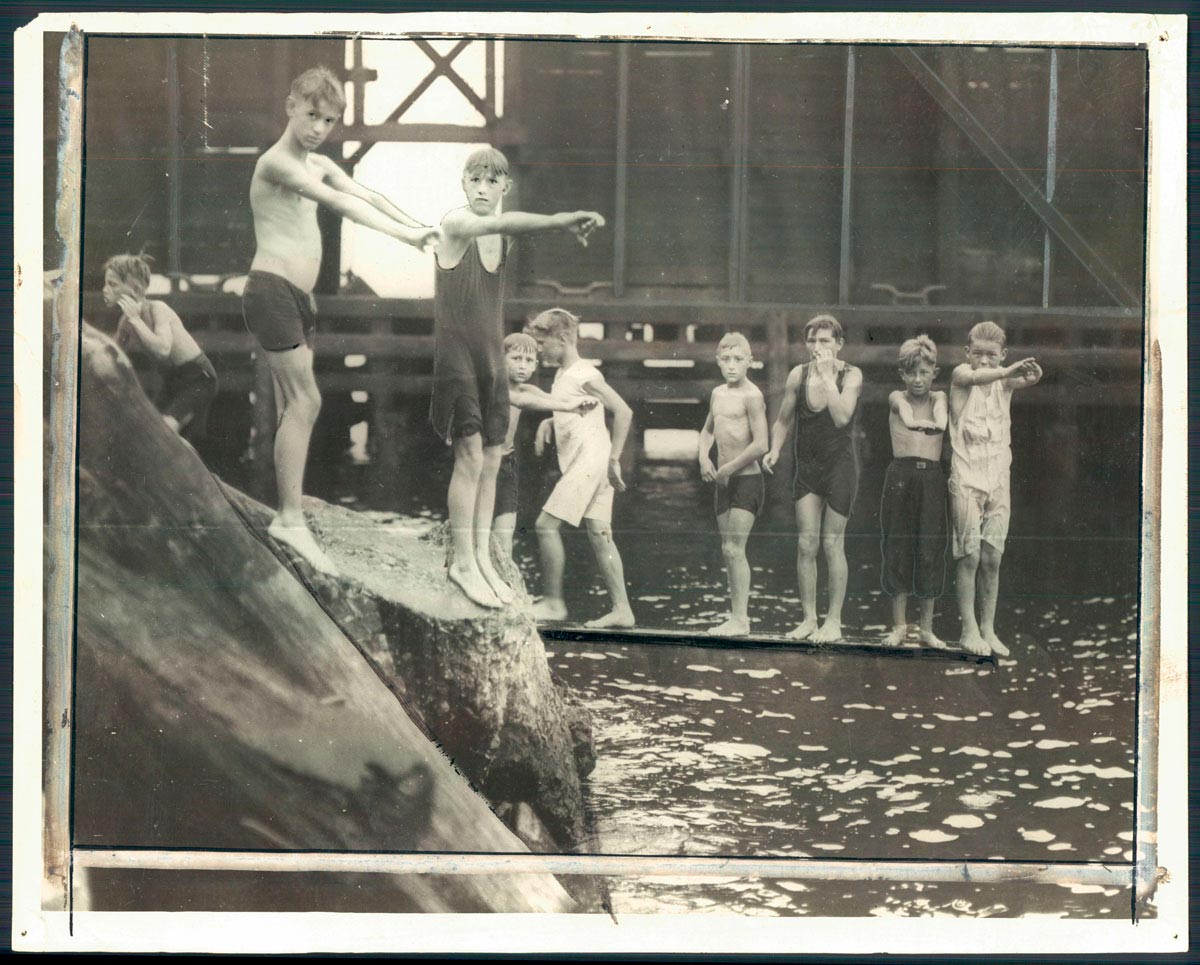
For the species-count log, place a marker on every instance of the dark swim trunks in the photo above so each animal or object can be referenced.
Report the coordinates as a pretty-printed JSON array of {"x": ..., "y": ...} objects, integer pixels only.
[
  {"x": 187, "y": 393},
  {"x": 748, "y": 492},
  {"x": 507, "y": 486},
  {"x": 912, "y": 515},
  {"x": 470, "y": 382},
  {"x": 826, "y": 463},
  {"x": 277, "y": 313}
]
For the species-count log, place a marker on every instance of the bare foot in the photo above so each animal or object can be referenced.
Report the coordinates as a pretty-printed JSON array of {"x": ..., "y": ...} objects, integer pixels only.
[
  {"x": 731, "y": 628},
  {"x": 931, "y": 639},
  {"x": 504, "y": 592},
  {"x": 830, "y": 632},
  {"x": 897, "y": 637},
  {"x": 998, "y": 648},
  {"x": 805, "y": 630},
  {"x": 473, "y": 585},
  {"x": 549, "y": 610},
  {"x": 614, "y": 618},
  {"x": 974, "y": 643},
  {"x": 301, "y": 540}
]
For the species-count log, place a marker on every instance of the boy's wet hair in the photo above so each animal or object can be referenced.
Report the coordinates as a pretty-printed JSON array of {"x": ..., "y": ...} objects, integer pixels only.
[
  {"x": 987, "y": 332},
  {"x": 917, "y": 350},
  {"x": 134, "y": 270},
  {"x": 319, "y": 85},
  {"x": 734, "y": 340},
  {"x": 555, "y": 321},
  {"x": 488, "y": 160},
  {"x": 522, "y": 343},
  {"x": 824, "y": 323}
]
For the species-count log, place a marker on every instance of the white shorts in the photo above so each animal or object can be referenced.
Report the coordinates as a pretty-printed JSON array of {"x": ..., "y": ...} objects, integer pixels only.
[
  {"x": 583, "y": 492},
  {"x": 978, "y": 515}
]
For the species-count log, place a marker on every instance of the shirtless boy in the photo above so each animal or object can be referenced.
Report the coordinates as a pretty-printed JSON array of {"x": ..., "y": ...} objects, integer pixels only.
[
  {"x": 981, "y": 453},
  {"x": 821, "y": 400},
  {"x": 277, "y": 304},
  {"x": 190, "y": 383},
  {"x": 591, "y": 469},
  {"x": 521, "y": 360},
  {"x": 912, "y": 513},
  {"x": 737, "y": 420},
  {"x": 469, "y": 409}
]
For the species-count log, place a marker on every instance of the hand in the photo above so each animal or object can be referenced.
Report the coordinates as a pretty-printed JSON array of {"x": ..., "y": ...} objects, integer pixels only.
[
  {"x": 930, "y": 428},
  {"x": 769, "y": 460},
  {"x": 824, "y": 364},
  {"x": 708, "y": 472},
  {"x": 1032, "y": 370},
  {"x": 130, "y": 307},
  {"x": 587, "y": 402},
  {"x": 427, "y": 239},
  {"x": 584, "y": 224},
  {"x": 1019, "y": 368},
  {"x": 545, "y": 432},
  {"x": 614, "y": 475},
  {"x": 722, "y": 476}
]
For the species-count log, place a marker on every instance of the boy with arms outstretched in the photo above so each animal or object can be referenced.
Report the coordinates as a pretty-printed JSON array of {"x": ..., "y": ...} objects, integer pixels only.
[
  {"x": 591, "y": 469},
  {"x": 821, "y": 399},
  {"x": 469, "y": 408},
  {"x": 912, "y": 512},
  {"x": 190, "y": 383},
  {"x": 737, "y": 421},
  {"x": 277, "y": 304},
  {"x": 521, "y": 360},
  {"x": 981, "y": 453}
]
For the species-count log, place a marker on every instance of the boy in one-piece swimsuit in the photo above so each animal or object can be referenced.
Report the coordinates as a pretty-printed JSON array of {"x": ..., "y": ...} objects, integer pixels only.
[
  {"x": 821, "y": 400},
  {"x": 737, "y": 422},
  {"x": 469, "y": 407},
  {"x": 981, "y": 453}
]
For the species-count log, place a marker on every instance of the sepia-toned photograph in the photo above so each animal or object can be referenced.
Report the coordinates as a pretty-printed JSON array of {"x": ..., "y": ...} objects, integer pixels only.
[{"x": 659, "y": 477}]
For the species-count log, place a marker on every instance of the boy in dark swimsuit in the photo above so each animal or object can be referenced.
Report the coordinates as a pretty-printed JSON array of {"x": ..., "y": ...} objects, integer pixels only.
[
  {"x": 470, "y": 404},
  {"x": 821, "y": 399},
  {"x": 190, "y": 382}
]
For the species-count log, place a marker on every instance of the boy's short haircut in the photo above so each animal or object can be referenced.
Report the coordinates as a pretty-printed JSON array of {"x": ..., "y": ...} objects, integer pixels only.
[
  {"x": 917, "y": 350},
  {"x": 734, "y": 340},
  {"x": 134, "y": 270},
  {"x": 824, "y": 323},
  {"x": 987, "y": 332},
  {"x": 488, "y": 160},
  {"x": 555, "y": 321},
  {"x": 319, "y": 85},
  {"x": 522, "y": 343}
]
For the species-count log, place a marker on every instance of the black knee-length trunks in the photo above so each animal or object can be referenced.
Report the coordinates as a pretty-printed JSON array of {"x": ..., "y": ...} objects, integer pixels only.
[{"x": 277, "y": 313}]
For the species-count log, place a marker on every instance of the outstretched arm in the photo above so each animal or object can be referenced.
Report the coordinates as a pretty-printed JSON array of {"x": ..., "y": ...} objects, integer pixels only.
[
  {"x": 339, "y": 180},
  {"x": 783, "y": 421},
  {"x": 1029, "y": 374},
  {"x": 756, "y": 413},
  {"x": 708, "y": 472},
  {"x": 157, "y": 335},
  {"x": 531, "y": 397},
  {"x": 299, "y": 179},
  {"x": 965, "y": 376},
  {"x": 463, "y": 223}
]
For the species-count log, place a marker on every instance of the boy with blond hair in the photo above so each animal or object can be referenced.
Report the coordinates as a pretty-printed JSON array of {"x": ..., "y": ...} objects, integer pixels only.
[
  {"x": 591, "y": 469},
  {"x": 912, "y": 512},
  {"x": 737, "y": 422},
  {"x": 469, "y": 409},
  {"x": 290, "y": 180},
  {"x": 521, "y": 360},
  {"x": 981, "y": 453}
]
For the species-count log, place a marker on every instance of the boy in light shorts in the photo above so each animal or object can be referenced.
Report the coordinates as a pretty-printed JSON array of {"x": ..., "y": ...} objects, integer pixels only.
[
  {"x": 981, "y": 453},
  {"x": 591, "y": 469}
]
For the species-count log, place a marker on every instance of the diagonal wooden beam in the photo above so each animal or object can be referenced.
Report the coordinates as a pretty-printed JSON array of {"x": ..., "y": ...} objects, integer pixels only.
[
  {"x": 453, "y": 76},
  {"x": 1029, "y": 191}
]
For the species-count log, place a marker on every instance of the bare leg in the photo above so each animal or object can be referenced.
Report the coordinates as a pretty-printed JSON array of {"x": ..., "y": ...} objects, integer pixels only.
[
  {"x": 735, "y": 526},
  {"x": 808, "y": 522},
  {"x": 613, "y": 570},
  {"x": 485, "y": 505},
  {"x": 899, "y": 620},
  {"x": 989, "y": 589},
  {"x": 504, "y": 526},
  {"x": 462, "y": 498},
  {"x": 551, "y": 606},
  {"x": 928, "y": 637},
  {"x": 299, "y": 404},
  {"x": 964, "y": 589},
  {"x": 833, "y": 541}
]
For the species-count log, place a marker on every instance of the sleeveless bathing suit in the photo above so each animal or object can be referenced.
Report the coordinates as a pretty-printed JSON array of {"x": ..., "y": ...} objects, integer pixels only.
[{"x": 826, "y": 462}]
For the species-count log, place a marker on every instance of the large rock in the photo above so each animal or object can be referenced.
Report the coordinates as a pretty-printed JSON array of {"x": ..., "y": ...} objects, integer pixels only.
[{"x": 219, "y": 707}]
